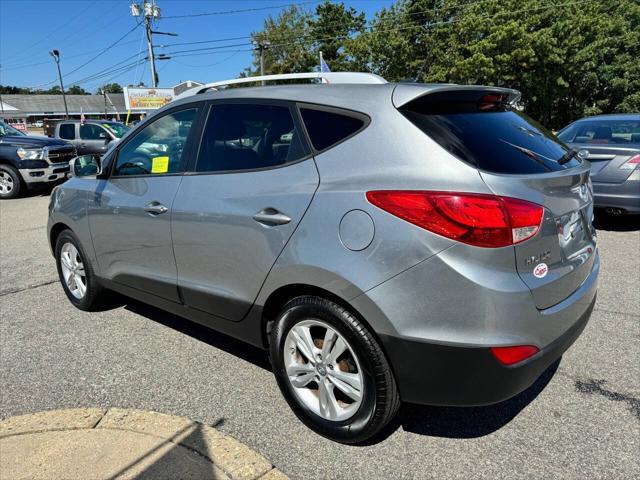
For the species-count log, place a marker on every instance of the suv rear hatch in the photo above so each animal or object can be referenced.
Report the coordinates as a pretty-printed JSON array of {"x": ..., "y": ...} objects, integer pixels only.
[{"x": 517, "y": 158}]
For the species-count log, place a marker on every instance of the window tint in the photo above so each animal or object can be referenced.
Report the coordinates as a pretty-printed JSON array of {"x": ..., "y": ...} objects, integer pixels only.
[
  {"x": 488, "y": 134},
  {"x": 67, "y": 131},
  {"x": 245, "y": 137},
  {"x": 89, "y": 131},
  {"x": 602, "y": 132},
  {"x": 158, "y": 147},
  {"x": 328, "y": 128}
]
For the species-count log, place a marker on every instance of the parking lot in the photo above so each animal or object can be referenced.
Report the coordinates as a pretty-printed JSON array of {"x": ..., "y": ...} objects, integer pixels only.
[{"x": 581, "y": 419}]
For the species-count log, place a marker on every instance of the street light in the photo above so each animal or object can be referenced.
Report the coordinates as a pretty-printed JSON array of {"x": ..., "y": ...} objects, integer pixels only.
[{"x": 56, "y": 56}]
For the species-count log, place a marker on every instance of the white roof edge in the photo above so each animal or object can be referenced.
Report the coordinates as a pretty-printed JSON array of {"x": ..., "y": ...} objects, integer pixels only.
[{"x": 326, "y": 77}]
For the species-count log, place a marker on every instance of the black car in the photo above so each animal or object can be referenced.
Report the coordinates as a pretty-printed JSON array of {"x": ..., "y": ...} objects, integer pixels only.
[{"x": 27, "y": 161}]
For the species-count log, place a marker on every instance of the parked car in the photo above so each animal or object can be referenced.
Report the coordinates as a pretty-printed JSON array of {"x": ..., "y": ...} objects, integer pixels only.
[
  {"x": 385, "y": 242},
  {"x": 27, "y": 161},
  {"x": 90, "y": 136},
  {"x": 613, "y": 143},
  {"x": 38, "y": 123}
]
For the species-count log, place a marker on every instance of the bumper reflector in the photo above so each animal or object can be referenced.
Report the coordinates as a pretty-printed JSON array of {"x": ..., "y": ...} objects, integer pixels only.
[{"x": 513, "y": 355}]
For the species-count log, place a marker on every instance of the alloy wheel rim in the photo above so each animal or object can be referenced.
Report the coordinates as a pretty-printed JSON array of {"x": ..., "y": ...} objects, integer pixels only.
[
  {"x": 6, "y": 182},
  {"x": 323, "y": 370},
  {"x": 73, "y": 270}
]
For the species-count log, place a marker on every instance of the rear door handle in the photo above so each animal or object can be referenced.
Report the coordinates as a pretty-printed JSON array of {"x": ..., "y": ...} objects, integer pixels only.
[
  {"x": 155, "y": 208},
  {"x": 271, "y": 217}
]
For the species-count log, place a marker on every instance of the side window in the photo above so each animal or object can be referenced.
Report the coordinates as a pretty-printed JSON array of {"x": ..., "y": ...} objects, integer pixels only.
[
  {"x": 67, "y": 131},
  {"x": 327, "y": 128},
  {"x": 158, "y": 147},
  {"x": 89, "y": 131},
  {"x": 246, "y": 136}
]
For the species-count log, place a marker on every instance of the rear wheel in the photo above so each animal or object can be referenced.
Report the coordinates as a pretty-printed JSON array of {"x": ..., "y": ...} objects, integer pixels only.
[
  {"x": 332, "y": 371},
  {"x": 76, "y": 274},
  {"x": 9, "y": 182}
]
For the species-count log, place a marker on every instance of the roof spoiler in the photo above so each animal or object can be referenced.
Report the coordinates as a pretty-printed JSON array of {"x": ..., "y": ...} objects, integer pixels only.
[
  {"x": 405, "y": 93},
  {"x": 324, "y": 77}
]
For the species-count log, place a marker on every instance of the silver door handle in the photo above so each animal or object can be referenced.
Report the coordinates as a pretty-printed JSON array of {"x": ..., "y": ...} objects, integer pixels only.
[
  {"x": 271, "y": 217},
  {"x": 155, "y": 208}
]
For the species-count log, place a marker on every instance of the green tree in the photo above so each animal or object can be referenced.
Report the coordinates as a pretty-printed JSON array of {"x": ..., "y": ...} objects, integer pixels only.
[
  {"x": 332, "y": 29},
  {"x": 297, "y": 36},
  {"x": 569, "y": 60},
  {"x": 289, "y": 51},
  {"x": 109, "y": 88},
  {"x": 77, "y": 90}
]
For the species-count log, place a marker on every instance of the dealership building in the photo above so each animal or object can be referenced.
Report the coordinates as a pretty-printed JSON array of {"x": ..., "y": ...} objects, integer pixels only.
[{"x": 27, "y": 109}]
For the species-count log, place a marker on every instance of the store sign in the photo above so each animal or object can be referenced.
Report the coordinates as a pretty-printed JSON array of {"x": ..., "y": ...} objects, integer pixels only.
[{"x": 137, "y": 98}]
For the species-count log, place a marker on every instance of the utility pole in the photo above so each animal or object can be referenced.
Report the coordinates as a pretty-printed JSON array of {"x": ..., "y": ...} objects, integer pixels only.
[
  {"x": 262, "y": 46},
  {"x": 151, "y": 11},
  {"x": 56, "y": 56}
]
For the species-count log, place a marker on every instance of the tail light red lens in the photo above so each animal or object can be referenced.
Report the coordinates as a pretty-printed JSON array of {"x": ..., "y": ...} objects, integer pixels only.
[
  {"x": 513, "y": 355},
  {"x": 473, "y": 218}
]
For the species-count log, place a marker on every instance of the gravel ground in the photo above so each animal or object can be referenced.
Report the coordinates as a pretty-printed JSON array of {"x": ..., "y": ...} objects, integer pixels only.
[{"x": 580, "y": 420}]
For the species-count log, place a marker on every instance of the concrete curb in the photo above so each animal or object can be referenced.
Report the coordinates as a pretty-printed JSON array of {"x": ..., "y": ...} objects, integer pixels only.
[{"x": 122, "y": 443}]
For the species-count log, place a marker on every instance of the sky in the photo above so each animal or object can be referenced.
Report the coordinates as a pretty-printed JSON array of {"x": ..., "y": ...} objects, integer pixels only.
[{"x": 83, "y": 29}]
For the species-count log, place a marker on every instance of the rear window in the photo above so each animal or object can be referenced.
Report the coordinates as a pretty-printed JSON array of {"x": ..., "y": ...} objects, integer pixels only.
[
  {"x": 480, "y": 129},
  {"x": 602, "y": 132},
  {"x": 326, "y": 128}
]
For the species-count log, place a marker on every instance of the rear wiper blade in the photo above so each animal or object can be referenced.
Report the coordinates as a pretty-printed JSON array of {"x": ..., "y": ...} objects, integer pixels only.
[{"x": 567, "y": 156}]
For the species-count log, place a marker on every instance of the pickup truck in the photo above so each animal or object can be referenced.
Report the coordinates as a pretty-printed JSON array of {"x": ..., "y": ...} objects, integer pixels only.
[
  {"x": 89, "y": 137},
  {"x": 28, "y": 161}
]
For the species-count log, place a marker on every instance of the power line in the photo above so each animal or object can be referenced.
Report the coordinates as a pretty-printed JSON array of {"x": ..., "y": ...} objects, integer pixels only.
[{"x": 244, "y": 10}]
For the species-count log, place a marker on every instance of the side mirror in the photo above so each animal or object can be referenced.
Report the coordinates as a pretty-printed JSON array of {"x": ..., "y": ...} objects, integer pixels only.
[{"x": 85, "y": 166}]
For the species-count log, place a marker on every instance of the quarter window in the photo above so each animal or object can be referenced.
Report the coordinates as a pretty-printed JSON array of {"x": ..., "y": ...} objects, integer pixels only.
[
  {"x": 67, "y": 131},
  {"x": 158, "y": 147},
  {"x": 328, "y": 128},
  {"x": 247, "y": 137}
]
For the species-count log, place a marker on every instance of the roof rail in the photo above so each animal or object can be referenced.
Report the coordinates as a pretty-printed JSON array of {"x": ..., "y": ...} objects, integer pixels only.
[{"x": 325, "y": 77}]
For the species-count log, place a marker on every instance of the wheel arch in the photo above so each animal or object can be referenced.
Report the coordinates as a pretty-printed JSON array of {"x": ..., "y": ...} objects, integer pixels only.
[
  {"x": 55, "y": 232},
  {"x": 279, "y": 297}
]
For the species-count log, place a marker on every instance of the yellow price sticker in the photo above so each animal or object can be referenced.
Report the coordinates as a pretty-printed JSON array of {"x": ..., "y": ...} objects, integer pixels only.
[{"x": 160, "y": 165}]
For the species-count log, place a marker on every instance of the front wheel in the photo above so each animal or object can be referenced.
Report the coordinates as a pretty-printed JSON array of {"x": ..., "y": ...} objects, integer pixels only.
[
  {"x": 76, "y": 274},
  {"x": 332, "y": 371},
  {"x": 9, "y": 182}
]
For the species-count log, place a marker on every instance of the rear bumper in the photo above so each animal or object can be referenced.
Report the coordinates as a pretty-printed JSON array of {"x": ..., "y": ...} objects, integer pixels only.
[
  {"x": 435, "y": 374},
  {"x": 466, "y": 374},
  {"x": 624, "y": 195}
]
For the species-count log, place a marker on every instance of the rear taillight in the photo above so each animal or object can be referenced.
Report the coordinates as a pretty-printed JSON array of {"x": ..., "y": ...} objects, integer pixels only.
[
  {"x": 630, "y": 164},
  {"x": 473, "y": 218},
  {"x": 513, "y": 355}
]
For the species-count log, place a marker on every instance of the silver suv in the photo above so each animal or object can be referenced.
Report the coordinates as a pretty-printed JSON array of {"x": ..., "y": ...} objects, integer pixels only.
[{"x": 385, "y": 242}]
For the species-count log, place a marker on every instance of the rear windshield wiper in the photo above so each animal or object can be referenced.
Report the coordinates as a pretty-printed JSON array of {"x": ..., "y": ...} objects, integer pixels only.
[{"x": 567, "y": 156}]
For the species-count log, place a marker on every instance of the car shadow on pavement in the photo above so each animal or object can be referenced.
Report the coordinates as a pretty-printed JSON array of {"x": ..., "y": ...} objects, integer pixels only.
[
  {"x": 211, "y": 337},
  {"x": 619, "y": 223},
  {"x": 449, "y": 422},
  {"x": 471, "y": 422}
]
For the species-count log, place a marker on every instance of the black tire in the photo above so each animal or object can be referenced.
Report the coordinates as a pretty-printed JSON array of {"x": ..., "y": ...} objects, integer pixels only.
[
  {"x": 92, "y": 298},
  {"x": 380, "y": 398},
  {"x": 16, "y": 182}
]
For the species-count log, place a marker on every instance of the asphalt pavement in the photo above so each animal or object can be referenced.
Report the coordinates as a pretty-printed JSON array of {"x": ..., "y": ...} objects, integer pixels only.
[{"x": 580, "y": 420}]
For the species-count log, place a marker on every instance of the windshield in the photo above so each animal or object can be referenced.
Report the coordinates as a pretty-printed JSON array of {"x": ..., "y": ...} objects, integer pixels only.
[
  {"x": 118, "y": 129},
  {"x": 6, "y": 130},
  {"x": 602, "y": 132}
]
